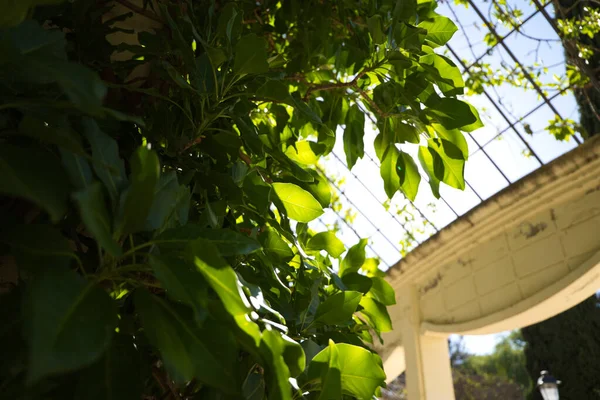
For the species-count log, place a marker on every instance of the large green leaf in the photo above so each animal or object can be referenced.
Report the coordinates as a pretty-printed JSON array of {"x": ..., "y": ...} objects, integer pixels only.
[
  {"x": 35, "y": 175},
  {"x": 250, "y": 55},
  {"x": 359, "y": 371},
  {"x": 382, "y": 291},
  {"x": 440, "y": 30},
  {"x": 389, "y": 171},
  {"x": 327, "y": 241},
  {"x": 227, "y": 241},
  {"x": 277, "y": 374},
  {"x": 170, "y": 204},
  {"x": 258, "y": 192},
  {"x": 375, "y": 24},
  {"x": 182, "y": 281},
  {"x": 299, "y": 204},
  {"x": 432, "y": 164},
  {"x": 63, "y": 137},
  {"x": 96, "y": 218},
  {"x": 454, "y": 164},
  {"x": 220, "y": 276},
  {"x": 71, "y": 322},
  {"x": 355, "y": 258},
  {"x": 145, "y": 171},
  {"x": 338, "y": 308},
  {"x": 107, "y": 164},
  {"x": 116, "y": 376},
  {"x": 273, "y": 243},
  {"x": 78, "y": 169},
  {"x": 377, "y": 314},
  {"x": 454, "y": 136},
  {"x": 409, "y": 175},
  {"x": 188, "y": 351},
  {"x": 452, "y": 113},
  {"x": 354, "y": 146},
  {"x": 452, "y": 81}
]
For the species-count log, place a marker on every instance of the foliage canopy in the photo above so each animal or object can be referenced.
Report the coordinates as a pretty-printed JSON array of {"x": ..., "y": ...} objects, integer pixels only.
[{"x": 157, "y": 167}]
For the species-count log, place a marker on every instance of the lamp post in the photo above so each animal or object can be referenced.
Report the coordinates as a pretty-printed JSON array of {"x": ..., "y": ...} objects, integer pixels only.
[{"x": 548, "y": 386}]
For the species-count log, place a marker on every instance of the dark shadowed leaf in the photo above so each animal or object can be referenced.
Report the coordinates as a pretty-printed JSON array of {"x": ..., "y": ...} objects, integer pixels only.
[
  {"x": 107, "y": 164},
  {"x": 338, "y": 308},
  {"x": 145, "y": 171},
  {"x": 95, "y": 216},
  {"x": 207, "y": 353},
  {"x": 116, "y": 376},
  {"x": 78, "y": 169},
  {"x": 71, "y": 322},
  {"x": 250, "y": 55},
  {"x": 35, "y": 175},
  {"x": 227, "y": 241},
  {"x": 182, "y": 281}
]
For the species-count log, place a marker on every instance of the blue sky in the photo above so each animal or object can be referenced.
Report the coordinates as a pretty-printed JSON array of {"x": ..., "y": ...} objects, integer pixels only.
[{"x": 496, "y": 143}]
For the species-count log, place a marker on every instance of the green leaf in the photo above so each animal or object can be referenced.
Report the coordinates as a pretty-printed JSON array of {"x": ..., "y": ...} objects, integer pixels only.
[
  {"x": 250, "y": 55},
  {"x": 258, "y": 191},
  {"x": 354, "y": 146},
  {"x": 338, "y": 308},
  {"x": 60, "y": 136},
  {"x": 451, "y": 79},
  {"x": 220, "y": 276},
  {"x": 375, "y": 24},
  {"x": 107, "y": 164},
  {"x": 35, "y": 175},
  {"x": 408, "y": 36},
  {"x": 38, "y": 240},
  {"x": 430, "y": 161},
  {"x": 254, "y": 387},
  {"x": 182, "y": 281},
  {"x": 405, "y": 10},
  {"x": 319, "y": 188},
  {"x": 327, "y": 241},
  {"x": 227, "y": 241},
  {"x": 277, "y": 373},
  {"x": 359, "y": 371},
  {"x": 454, "y": 164},
  {"x": 116, "y": 376},
  {"x": 305, "y": 152},
  {"x": 405, "y": 133},
  {"x": 452, "y": 113},
  {"x": 382, "y": 291},
  {"x": 170, "y": 204},
  {"x": 357, "y": 282},
  {"x": 95, "y": 216},
  {"x": 355, "y": 258},
  {"x": 208, "y": 353},
  {"x": 439, "y": 30},
  {"x": 77, "y": 168},
  {"x": 299, "y": 204},
  {"x": 389, "y": 171},
  {"x": 454, "y": 136},
  {"x": 145, "y": 172},
  {"x": 377, "y": 314},
  {"x": 409, "y": 175},
  {"x": 272, "y": 242},
  {"x": 330, "y": 374},
  {"x": 71, "y": 322},
  {"x": 475, "y": 125}
]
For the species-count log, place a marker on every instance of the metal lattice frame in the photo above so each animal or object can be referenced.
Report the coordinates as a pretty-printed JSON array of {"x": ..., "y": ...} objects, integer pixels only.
[{"x": 493, "y": 97}]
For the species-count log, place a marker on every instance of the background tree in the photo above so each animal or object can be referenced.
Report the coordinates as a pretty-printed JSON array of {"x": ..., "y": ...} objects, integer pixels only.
[
  {"x": 158, "y": 174},
  {"x": 568, "y": 346}
]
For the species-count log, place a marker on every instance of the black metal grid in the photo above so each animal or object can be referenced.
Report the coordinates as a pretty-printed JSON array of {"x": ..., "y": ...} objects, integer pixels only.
[{"x": 492, "y": 96}]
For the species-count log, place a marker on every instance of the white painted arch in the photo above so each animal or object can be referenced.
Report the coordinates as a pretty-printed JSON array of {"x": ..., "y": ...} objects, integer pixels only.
[{"x": 523, "y": 256}]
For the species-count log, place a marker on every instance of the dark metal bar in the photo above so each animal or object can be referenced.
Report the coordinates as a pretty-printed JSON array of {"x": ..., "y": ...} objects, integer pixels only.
[
  {"x": 485, "y": 92},
  {"x": 516, "y": 60}
]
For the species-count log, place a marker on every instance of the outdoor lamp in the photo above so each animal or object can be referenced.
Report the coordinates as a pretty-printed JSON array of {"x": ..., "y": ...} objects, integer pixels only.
[{"x": 548, "y": 386}]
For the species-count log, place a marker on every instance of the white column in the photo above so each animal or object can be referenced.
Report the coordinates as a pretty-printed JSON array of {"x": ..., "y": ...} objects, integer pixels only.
[{"x": 428, "y": 372}]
